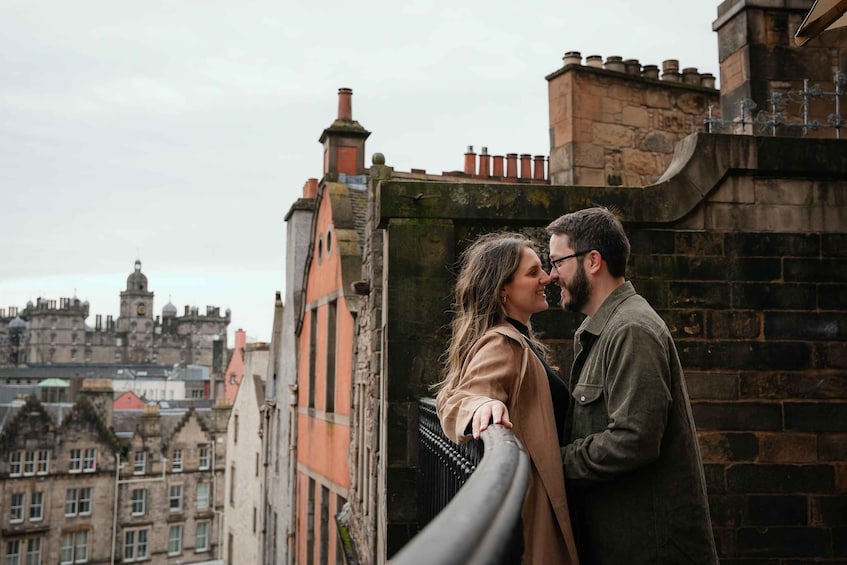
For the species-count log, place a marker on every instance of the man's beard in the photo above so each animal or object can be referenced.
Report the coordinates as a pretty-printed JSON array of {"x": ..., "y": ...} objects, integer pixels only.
[{"x": 579, "y": 290}]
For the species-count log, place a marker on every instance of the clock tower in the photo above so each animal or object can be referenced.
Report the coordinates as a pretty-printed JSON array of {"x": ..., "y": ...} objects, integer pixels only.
[{"x": 136, "y": 303}]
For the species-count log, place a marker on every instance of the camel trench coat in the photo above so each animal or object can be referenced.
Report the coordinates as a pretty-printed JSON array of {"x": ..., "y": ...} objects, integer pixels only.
[{"x": 501, "y": 366}]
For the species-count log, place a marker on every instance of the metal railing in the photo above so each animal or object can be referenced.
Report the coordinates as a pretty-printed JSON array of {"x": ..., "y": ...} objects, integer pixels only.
[
  {"x": 778, "y": 117},
  {"x": 470, "y": 503}
]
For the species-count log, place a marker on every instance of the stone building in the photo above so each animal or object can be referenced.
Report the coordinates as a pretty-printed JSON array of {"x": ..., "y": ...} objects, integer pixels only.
[
  {"x": 243, "y": 486},
  {"x": 84, "y": 483},
  {"x": 738, "y": 242},
  {"x": 51, "y": 332}
]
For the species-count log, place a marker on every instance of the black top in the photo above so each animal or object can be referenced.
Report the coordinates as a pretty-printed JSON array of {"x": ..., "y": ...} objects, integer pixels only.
[{"x": 558, "y": 389}]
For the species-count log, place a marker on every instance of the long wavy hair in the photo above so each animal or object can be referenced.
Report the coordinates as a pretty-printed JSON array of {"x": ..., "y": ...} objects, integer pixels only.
[{"x": 486, "y": 266}]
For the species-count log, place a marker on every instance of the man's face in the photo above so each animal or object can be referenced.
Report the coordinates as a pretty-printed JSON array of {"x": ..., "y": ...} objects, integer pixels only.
[{"x": 569, "y": 274}]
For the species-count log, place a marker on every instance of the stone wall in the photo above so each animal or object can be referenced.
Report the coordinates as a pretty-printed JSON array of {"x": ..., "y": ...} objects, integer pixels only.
[{"x": 741, "y": 247}]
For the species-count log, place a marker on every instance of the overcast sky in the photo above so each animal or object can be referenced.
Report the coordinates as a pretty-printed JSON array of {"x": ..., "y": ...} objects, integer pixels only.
[{"x": 180, "y": 132}]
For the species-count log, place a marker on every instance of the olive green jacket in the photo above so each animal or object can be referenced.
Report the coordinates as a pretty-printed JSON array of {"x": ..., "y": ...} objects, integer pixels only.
[{"x": 632, "y": 462}]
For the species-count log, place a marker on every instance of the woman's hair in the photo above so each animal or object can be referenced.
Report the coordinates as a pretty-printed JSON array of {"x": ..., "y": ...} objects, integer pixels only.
[{"x": 486, "y": 266}]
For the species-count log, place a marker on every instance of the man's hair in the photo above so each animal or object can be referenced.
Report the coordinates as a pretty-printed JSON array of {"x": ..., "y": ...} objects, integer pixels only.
[{"x": 595, "y": 229}]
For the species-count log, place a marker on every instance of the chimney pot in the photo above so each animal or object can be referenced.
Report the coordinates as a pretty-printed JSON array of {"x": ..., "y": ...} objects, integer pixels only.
[
  {"x": 497, "y": 171},
  {"x": 707, "y": 80},
  {"x": 526, "y": 166},
  {"x": 512, "y": 165},
  {"x": 572, "y": 58},
  {"x": 615, "y": 63},
  {"x": 538, "y": 169},
  {"x": 595, "y": 61},
  {"x": 632, "y": 66},
  {"x": 470, "y": 161},
  {"x": 650, "y": 71},
  {"x": 345, "y": 104},
  {"x": 310, "y": 188}
]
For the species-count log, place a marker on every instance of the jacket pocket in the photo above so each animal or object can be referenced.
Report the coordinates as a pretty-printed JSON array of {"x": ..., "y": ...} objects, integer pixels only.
[
  {"x": 585, "y": 394},
  {"x": 590, "y": 414}
]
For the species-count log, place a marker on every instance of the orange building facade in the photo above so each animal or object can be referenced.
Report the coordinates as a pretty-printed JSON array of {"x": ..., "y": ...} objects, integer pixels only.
[{"x": 326, "y": 326}]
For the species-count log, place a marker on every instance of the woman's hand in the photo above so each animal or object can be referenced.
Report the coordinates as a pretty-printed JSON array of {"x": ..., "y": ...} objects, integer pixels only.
[{"x": 492, "y": 411}]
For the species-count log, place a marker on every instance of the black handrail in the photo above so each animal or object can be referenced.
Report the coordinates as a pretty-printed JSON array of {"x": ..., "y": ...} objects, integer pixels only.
[{"x": 479, "y": 524}]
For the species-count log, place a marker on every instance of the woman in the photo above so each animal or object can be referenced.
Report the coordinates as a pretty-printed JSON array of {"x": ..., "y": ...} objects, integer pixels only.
[{"x": 496, "y": 371}]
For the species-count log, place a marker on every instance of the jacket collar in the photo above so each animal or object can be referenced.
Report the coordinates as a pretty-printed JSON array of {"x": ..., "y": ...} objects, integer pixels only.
[{"x": 595, "y": 324}]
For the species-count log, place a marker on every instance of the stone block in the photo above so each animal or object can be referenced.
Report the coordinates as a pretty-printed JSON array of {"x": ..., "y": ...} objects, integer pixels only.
[
  {"x": 829, "y": 510},
  {"x": 737, "y": 416},
  {"x": 834, "y": 245},
  {"x": 746, "y": 355},
  {"x": 711, "y": 385},
  {"x": 705, "y": 295},
  {"x": 805, "y": 325},
  {"x": 772, "y": 245},
  {"x": 786, "y": 541},
  {"x": 795, "y": 386},
  {"x": 755, "y": 478},
  {"x": 733, "y": 324},
  {"x": 816, "y": 270},
  {"x": 777, "y": 510},
  {"x": 816, "y": 416},
  {"x": 787, "y": 448},
  {"x": 698, "y": 243},
  {"x": 783, "y": 191},
  {"x": 635, "y": 116},
  {"x": 832, "y": 296},
  {"x": 775, "y": 296},
  {"x": 717, "y": 447},
  {"x": 726, "y": 510},
  {"x": 734, "y": 190},
  {"x": 685, "y": 324},
  {"x": 832, "y": 447},
  {"x": 613, "y": 135},
  {"x": 715, "y": 478}
]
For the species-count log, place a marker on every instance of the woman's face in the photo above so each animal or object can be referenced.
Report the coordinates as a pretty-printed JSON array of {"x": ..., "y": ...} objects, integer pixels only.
[{"x": 524, "y": 294}]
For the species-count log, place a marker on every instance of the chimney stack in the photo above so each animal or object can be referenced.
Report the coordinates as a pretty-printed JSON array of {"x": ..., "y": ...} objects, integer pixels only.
[
  {"x": 310, "y": 188},
  {"x": 345, "y": 104},
  {"x": 484, "y": 163},
  {"x": 512, "y": 165},
  {"x": 470, "y": 161}
]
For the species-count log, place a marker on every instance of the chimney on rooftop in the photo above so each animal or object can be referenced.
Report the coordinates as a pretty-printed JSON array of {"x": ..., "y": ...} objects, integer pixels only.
[
  {"x": 470, "y": 161},
  {"x": 484, "y": 163},
  {"x": 345, "y": 104}
]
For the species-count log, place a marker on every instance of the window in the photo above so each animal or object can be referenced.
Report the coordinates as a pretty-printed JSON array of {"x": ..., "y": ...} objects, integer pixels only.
[
  {"x": 331, "y": 331},
  {"x": 202, "y": 496},
  {"x": 78, "y": 501},
  {"x": 257, "y": 464},
  {"x": 313, "y": 348},
  {"x": 36, "y": 507},
  {"x": 33, "y": 551},
  {"x": 13, "y": 552},
  {"x": 255, "y": 513},
  {"x": 85, "y": 501},
  {"x": 43, "y": 462},
  {"x": 176, "y": 461},
  {"x": 140, "y": 463},
  {"x": 135, "y": 545},
  {"x": 29, "y": 463},
  {"x": 324, "y": 539},
  {"x": 74, "y": 548},
  {"x": 232, "y": 485},
  {"x": 15, "y": 463},
  {"x": 16, "y": 508},
  {"x": 204, "y": 457},
  {"x": 201, "y": 539},
  {"x": 76, "y": 461},
  {"x": 175, "y": 540},
  {"x": 175, "y": 498},
  {"x": 235, "y": 429},
  {"x": 89, "y": 462},
  {"x": 138, "y": 499}
]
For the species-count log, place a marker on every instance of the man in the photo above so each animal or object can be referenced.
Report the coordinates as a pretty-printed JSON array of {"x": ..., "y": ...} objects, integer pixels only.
[{"x": 632, "y": 462}]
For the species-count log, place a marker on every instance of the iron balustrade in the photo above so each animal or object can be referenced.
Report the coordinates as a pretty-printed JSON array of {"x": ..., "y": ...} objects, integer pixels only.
[{"x": 470, "y": 497}]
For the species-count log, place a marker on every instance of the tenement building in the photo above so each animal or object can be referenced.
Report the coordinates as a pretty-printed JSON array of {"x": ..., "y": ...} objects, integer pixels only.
[
  {"x": 51, "y": 333},
  {"x": 81, "y": 482}
]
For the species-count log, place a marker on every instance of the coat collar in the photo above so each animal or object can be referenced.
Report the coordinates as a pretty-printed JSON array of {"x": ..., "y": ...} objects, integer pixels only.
[{"x": 595, "y": 324}]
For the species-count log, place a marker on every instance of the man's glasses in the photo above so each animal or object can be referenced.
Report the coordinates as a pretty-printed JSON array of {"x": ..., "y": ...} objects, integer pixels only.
[{"x": 555, "y": 262}]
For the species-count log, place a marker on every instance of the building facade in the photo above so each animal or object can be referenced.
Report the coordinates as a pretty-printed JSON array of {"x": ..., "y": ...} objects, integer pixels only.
[
  {"x": 86, "y": 484},
  {"x": 51, "y": 332}
]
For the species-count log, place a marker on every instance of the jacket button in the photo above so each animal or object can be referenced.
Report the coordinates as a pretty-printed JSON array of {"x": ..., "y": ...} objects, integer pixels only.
[{"x": 582, "y": 399}]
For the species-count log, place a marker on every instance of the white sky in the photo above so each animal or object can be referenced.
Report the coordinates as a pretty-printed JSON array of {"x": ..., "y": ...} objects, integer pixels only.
[{"x": 180, "y": 132}]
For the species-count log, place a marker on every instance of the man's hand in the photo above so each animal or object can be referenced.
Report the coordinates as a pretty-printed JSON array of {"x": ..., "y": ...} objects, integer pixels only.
[{"x": 492, "y": 411}]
